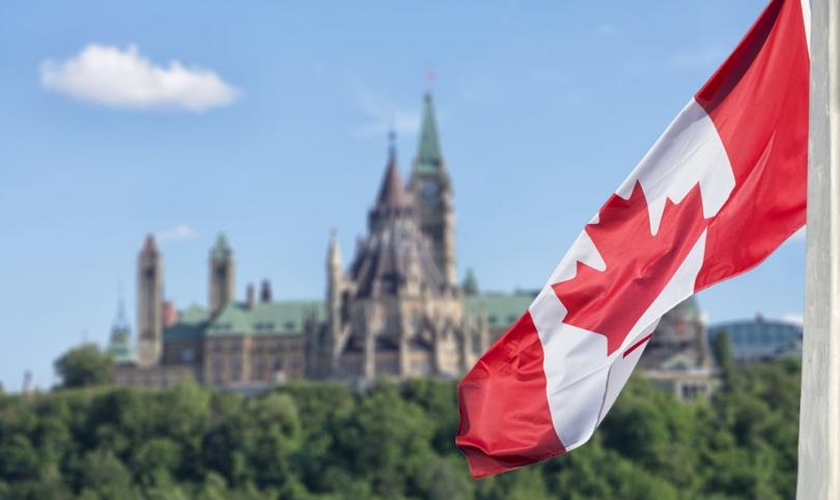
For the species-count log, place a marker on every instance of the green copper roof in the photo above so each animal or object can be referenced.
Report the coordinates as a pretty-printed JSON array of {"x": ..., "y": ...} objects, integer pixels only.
[
  {"x": 687, "y": 310},
  {"x": 191, "y": 324},
  {"x": 233, "y": 320},
  {"x": 502, "y": 309},
  {"x": 265, "y": 318},
  {"x": 120, "y": 347},
  {"x": 221, "y": 249},
  {"x": 429, "y": 157}
]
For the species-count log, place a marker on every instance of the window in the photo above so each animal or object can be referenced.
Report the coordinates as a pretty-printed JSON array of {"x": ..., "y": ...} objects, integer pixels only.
[{"x": 187, "y": 355}]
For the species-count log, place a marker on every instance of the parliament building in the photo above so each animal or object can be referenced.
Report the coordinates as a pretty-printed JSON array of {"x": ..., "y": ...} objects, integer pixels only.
[{"x": 397, "y": 310}]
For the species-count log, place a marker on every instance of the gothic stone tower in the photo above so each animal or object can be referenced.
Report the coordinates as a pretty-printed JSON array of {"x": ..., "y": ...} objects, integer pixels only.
[
  {"x": 221, "y": 275},
  {"x": 433, "y": 194},
  {"x": 149, "y": 304},
  {"x": 393, "y": 312}
]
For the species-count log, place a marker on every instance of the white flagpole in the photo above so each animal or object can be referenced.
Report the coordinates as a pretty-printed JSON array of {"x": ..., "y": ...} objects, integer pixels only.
[{"x": 819, "y": 419}]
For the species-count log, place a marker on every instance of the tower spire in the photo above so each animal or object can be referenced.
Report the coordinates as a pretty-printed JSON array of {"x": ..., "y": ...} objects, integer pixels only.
[
  {"x": 122, "y": 319},
  {"x": 221, "y": 274},
  {"x": 392, "y": 192},
  {"x": 429, "y": 157},
  {"x": 432, "y": 190},
  {"x": 334, "y": 253},
  {"x": 392, "y": 143}
]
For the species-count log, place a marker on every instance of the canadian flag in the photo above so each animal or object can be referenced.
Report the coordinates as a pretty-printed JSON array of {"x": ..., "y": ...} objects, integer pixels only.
[{"x": 721, "y": 189}]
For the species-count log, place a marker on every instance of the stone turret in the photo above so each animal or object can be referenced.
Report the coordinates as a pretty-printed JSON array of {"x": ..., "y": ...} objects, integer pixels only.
[
  {"x": 335, "y": 286},
  {"x": 221, "y": 275},
  {"x": 149, "y": 304}
]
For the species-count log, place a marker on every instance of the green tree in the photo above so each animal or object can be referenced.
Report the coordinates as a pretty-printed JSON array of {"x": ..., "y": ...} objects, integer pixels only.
[
  {"x": 722, "y": 351},
  {"x": 84, "y": 366},
  {"x": 319, "y": 441}
]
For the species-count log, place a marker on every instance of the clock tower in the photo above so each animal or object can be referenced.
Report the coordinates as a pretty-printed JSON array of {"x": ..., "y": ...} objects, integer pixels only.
[{"x": 432, "y": 190}]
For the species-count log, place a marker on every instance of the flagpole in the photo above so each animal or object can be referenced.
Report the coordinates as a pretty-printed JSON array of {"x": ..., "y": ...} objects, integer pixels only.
[{"x": 819, "y": 419}]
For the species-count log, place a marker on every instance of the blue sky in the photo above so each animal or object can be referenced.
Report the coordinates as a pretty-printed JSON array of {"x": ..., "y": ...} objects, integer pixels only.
[{"x": 543, "y": 107}]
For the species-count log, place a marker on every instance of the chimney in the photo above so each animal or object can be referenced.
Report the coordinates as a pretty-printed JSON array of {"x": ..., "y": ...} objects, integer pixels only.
[
  {"x": 265, "y": 291},
  {"x": 170, "y": 314},
  {"x": 249, "y": 296}
]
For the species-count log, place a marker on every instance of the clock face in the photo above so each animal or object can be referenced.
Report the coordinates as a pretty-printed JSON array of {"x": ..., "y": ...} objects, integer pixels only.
[{"x": 430, "y": 192}]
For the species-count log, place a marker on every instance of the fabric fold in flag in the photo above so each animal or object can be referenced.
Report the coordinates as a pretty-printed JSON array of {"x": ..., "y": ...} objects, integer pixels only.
[{"x": 718, "y": 192}]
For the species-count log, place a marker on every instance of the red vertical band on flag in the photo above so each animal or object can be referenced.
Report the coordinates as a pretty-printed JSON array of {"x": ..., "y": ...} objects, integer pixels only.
[
  {"x": 507, "y": 390},
  {"x": 763, "y": 140}
]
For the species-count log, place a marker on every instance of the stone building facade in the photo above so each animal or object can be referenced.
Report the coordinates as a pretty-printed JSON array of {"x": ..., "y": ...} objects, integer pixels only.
[
  {"x": 678, "y": 357},
  {"x": 396, "y": 311}
]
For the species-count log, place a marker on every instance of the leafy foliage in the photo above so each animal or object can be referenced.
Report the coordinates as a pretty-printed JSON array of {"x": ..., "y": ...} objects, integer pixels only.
[
  {"x": 308, "y": 441},
  {"x": 84, "y": 366}
]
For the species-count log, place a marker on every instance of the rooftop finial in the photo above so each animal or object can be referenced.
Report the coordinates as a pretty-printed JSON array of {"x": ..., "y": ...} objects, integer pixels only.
[
  {"x": 121, "y": 317},
  {"x": 392, "y": 142}
]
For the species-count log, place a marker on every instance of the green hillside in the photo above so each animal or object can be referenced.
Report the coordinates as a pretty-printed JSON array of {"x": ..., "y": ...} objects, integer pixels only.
[{"x": 318, "y": 441}]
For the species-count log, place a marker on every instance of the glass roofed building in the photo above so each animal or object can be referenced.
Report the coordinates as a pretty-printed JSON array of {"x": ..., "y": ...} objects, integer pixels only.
[{"x": 761, "y": 339}]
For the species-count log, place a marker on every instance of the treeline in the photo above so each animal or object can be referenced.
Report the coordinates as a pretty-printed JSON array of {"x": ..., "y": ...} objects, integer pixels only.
[{"x": 319, "y": 441}]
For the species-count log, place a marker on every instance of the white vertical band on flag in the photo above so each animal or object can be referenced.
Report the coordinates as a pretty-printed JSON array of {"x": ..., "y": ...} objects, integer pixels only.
[
  {"x": 688, "y": 153},
  {"x": 582, "y": 380}
]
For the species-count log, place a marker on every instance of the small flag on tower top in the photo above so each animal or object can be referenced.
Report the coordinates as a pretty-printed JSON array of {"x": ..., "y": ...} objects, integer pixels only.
[{"x": 721, "y": 189}]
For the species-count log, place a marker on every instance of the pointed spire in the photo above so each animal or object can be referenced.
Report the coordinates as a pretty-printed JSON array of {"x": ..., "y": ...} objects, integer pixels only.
[
  {"x": 334, "y": 253},
  {"x": 391, "y": 192},
  {"x": 221, "y": 249},
  {"x": 120, "y": 347},
  {"x": 470, "y": 284},
  {"x": 429, "y": 157},
  {"x": 121, "y": 320}
]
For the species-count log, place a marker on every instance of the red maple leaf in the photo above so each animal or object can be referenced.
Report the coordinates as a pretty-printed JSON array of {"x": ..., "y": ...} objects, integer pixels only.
[{"x": 638, "y": 264}]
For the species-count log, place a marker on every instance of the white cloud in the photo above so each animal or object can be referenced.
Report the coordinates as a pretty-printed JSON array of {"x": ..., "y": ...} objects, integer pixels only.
[
  {"x": 181, "y": 232},
  {"x": 382, "y": 115},
  {"x": 107, "y": 75}
]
